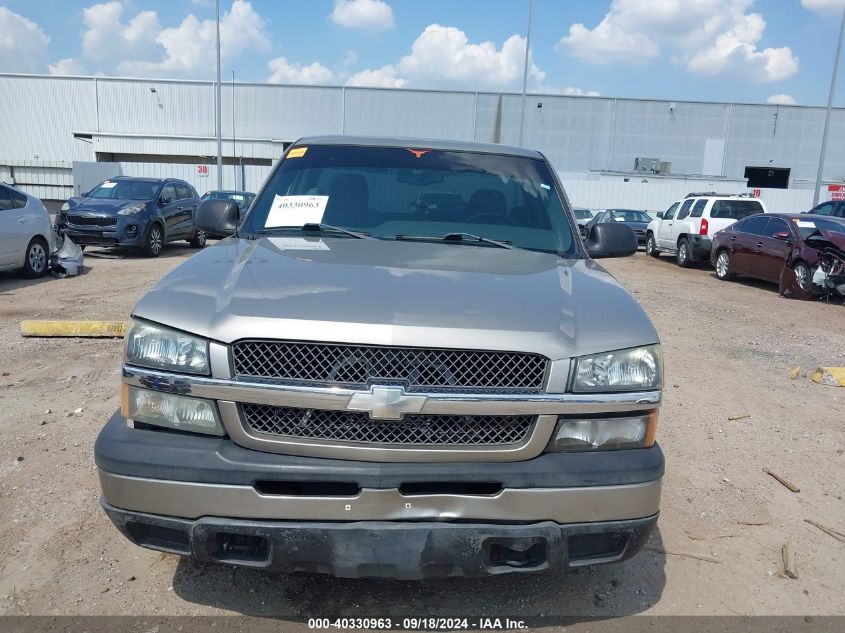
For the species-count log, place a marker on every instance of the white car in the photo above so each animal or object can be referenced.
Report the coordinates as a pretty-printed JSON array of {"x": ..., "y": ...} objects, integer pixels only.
[
  {"x": 686, "y": 229},
  {"x": 26, "y": 233}
]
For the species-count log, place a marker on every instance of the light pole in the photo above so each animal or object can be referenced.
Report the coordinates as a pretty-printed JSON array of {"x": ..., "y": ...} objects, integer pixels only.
[
  {"x": 234, "y": 145},
  {"x": 525, "y": 73},
  {"x": 827, "y": 113},
  {"x": 219, "y": 115}
]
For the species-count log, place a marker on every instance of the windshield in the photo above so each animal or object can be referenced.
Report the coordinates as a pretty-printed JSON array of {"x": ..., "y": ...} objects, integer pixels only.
[
  {"x": 389, "y": 192},
  {"x": 807, "y": 227},
  {"x": 582, "y": 214},
  {"x": 625, "y": 215},
  {"x": 126, "y": 189}
]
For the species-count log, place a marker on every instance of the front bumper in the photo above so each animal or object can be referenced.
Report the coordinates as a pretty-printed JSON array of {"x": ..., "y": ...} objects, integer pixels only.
[
  {"x": 213, "y": 499},
  {"x": 129, "y": 231},
  {"x": 407, "y": 551}
]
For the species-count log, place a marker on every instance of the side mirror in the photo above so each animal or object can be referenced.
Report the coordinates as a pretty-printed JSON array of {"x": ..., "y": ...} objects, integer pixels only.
[
  {"x": 611, "y": 240},
  {"x": 218, "y": 217},
  {"x": 781, "y": 235},
  {"x": 165, "y": 200},
  {"x": 660, "y": 214}
]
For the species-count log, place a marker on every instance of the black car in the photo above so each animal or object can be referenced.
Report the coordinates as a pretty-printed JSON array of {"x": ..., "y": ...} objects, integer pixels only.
[
  {"x": 832, "y": 208},
  {"x": 637, "y": 220},
  {"x": 241, "y": 198},
  {"x": 133, "y": 212}
]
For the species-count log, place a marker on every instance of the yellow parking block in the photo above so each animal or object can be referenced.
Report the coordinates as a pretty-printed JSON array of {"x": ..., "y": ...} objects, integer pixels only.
[
  {"x": 833, "y": 376},
  {"x": 87, "y": 329}
]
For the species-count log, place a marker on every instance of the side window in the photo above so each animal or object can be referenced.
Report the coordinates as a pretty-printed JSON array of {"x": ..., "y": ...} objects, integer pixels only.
[
  {"x": 755, "y": 225},
  {"x": 698, "y": 209},
  {"x": 6, "y": 199},
  {"x": 777, "y": 225},
  {"x": 684, "y": 212},
  {"x": 824, "y": 209},
  {"x": 168, "y": 193},
  {"x": 840, "y": 210},
  {"x": 670, "y": 213},
  {"x": 182, "y": 190}
]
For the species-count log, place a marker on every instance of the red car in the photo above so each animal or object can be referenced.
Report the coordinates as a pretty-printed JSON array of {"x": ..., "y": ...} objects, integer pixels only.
[{"x": 765, "y": 244}]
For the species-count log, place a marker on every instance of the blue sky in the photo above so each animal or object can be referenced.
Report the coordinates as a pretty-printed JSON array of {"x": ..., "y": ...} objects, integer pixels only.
[{"x": 714, "y": 50}]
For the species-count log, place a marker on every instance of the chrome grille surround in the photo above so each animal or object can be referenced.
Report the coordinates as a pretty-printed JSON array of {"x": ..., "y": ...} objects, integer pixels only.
[
  {"x": 92, "y": 220},
  {"x": 412, "y": 430},
  {"x": 418, "y": 369}
]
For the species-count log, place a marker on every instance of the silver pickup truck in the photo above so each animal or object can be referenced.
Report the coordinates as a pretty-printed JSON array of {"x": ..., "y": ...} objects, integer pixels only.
[{"x": 403, "y": 362}]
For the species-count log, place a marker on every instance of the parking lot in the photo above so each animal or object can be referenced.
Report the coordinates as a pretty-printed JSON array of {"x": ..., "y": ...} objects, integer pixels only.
[{"x": 729, "y": 350}]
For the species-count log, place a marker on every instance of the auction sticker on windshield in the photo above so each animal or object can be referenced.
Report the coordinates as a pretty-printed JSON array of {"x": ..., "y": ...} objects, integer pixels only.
[{"x": 296, "y": 211}]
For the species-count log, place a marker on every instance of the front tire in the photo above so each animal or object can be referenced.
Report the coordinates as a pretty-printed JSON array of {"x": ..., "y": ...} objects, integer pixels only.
[
  {"x": 36, "y": 260},
  {"x": 803, "y": 276},
  {"x": 198, "y": 240},
  {"x": 155, "y": 241},
  {"x": 651, "y": 246},
  {"x": 683, "y": 256},
  {"x": 724, "y": 266}
]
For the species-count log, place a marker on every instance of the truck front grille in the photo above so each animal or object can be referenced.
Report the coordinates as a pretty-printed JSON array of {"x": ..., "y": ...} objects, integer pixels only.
[
  {"x": 92, "y": 220},
  {"x": 415, "y": 368},
  {"x": 412, "y": 430}
]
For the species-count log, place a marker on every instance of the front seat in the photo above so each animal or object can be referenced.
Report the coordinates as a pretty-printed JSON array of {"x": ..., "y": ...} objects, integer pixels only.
[
  {"x": 349, "y": 197},
  {"x": 486, "y": 203}
]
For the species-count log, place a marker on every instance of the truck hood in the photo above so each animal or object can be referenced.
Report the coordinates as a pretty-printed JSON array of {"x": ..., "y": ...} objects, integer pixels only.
[{"x": 398, "y": 293}]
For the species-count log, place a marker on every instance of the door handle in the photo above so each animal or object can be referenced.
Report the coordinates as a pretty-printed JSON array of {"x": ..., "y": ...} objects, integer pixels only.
[
  {"x": 22, "y": 220},
  {"x": 759, "y": 244},
  {"x": 733, "y": 238}
]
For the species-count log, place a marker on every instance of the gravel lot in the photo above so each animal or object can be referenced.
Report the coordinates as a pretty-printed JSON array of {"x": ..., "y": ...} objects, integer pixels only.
[{"x": 729, "y": 349}]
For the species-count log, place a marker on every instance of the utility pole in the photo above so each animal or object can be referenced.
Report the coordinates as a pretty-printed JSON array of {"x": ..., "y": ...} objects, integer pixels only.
[
  {"x": 525, "y": 73},
  {"x": 234, "y": 145},
  {"x": 218, "y": 113},
  {"x": 827, "y": 113}
]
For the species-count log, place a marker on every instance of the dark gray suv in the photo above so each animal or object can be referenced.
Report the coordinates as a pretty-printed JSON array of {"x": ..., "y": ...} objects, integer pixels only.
[{"x": 133, "y": 212}]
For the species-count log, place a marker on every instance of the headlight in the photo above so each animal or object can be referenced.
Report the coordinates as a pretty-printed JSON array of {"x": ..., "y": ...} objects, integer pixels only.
[
  {"x": 634, "y": 369},
  {"x": 157, "y": 347},
  {"x": 135, "y": 208},
  {"x": 171, "y": 411},
  {"x": 64, "y": 207},
  {"x": 574, "y": 434}
]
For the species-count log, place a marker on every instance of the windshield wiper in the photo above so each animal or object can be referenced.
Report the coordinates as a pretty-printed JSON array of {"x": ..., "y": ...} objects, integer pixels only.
[
  {"x": 458, "y": 237},
  {"x": 318, "y": 228}
]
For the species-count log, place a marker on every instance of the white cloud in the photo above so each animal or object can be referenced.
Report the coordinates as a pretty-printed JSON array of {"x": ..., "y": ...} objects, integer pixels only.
[
  {"x": 707, "y": 36},
  {"x": 384, "y": 77},
  {"x": 824, "y": 6},
  {"x": 139, "y": 45},
  {"x": 285, "y": 72},
  {"x": 108, "y": 38},
  {"x": 578, "y": 92},
  {"x": 374, "y": 15},
  {"x": 23, "y": 45},
  {"x": 782, "y": 99},
  {"x": 66, "y": 66}
]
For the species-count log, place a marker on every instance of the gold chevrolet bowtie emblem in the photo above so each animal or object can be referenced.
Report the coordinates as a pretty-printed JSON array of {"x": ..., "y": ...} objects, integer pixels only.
[{"x": 386, "y": 403}]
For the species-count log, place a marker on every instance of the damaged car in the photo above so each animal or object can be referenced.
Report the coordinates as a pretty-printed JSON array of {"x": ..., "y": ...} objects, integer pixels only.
[{"x": 803, "y": 253}]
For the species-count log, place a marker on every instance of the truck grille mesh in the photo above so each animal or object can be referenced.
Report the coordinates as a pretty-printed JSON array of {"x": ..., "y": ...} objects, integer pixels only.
[
  {"x": 94, "y": 220},
  {"x": 412, "y": 430},
  {"x": 416, "y": 368}
]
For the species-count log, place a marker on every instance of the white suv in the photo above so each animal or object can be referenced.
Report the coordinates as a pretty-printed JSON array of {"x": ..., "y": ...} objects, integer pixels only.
[{"x": 686, "y": 229}]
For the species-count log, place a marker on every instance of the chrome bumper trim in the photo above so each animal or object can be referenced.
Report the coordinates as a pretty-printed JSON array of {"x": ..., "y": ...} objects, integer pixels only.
[
  {"x": 190, "y": 500},
  {"x": 437, "y": 403}
]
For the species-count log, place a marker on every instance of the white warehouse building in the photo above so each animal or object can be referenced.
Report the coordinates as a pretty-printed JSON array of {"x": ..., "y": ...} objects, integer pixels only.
[{"x": 52, "y": 128}]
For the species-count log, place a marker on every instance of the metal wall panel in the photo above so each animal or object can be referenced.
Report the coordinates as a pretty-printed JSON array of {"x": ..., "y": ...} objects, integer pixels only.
[
  {"x": 374, "y": 112},
  {"x": 39, "y": 115}
]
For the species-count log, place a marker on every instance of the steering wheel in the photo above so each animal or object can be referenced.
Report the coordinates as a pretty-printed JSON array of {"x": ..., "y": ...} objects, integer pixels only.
[{"x": 483, "y": 218}]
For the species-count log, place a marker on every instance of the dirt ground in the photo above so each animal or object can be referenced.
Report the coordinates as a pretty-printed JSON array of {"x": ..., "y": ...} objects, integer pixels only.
[{"x": 729, "y": 349}]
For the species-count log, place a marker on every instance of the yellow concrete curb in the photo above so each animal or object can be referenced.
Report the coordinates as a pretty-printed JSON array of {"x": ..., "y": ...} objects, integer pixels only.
[
  {"x": 833, "y": 376},
  {"x": 87, "y": 329}
]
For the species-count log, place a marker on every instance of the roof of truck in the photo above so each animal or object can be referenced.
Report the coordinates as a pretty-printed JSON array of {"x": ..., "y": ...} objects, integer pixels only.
[{"x": 421, "y": 143}]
